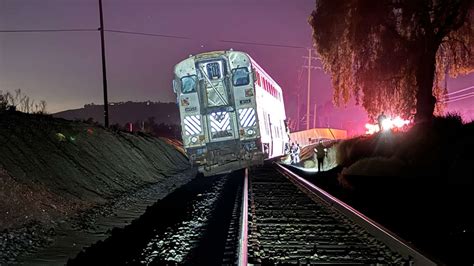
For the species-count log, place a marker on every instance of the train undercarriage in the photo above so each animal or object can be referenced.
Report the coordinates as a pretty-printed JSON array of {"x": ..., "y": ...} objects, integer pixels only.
[{"x": 226, "y": 156}]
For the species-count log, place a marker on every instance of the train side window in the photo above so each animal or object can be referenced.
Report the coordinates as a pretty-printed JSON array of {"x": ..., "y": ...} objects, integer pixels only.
[
  {"x": 188, "y": 84},
  {"x": 240, "y": 76}
]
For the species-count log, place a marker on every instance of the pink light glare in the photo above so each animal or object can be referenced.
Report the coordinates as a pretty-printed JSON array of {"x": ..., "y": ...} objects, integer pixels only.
[{"x": 387, "y": 124}]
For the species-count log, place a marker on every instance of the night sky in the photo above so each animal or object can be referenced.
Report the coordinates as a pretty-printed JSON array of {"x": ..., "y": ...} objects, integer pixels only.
[{"x": 64, "y": 67}]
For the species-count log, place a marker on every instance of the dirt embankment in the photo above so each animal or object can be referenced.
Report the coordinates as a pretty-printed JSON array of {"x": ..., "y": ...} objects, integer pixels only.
[{"x": 52, "y": 169}]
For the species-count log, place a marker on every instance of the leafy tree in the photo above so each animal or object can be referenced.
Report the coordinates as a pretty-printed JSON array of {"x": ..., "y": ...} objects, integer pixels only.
[{"x": 393, "y": 54}]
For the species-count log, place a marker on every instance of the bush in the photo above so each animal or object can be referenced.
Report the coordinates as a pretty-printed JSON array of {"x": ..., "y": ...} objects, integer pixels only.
[
  {"x": 309, "y": 164},
  {"x": 377, "y": 166},
  {"x": 435, "y": 149},
  {"x": 449, "y": 125},
  {"x": 380, "y": 144},
  {"x": 3, "y": 102},
  {"x": 21, "y": 102}
]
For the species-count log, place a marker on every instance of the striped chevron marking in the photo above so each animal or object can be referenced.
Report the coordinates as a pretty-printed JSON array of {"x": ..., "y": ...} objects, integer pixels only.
[
  {"x": 220, "y": 121},
  {"x": 247, "y": 117},
  {"x": 192, "y": 125}
]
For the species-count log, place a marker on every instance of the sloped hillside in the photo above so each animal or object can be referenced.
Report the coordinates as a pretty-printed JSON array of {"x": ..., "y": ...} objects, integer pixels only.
[{"x": 50, "y": 168}]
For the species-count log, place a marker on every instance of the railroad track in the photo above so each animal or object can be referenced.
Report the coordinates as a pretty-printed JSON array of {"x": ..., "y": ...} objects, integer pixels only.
[
  {"x": 266, "y": 215},
  {"x": 293, "y": 222}
]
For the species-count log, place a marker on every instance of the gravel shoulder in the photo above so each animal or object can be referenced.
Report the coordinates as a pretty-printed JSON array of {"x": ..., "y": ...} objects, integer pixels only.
[{"x": 98, "y": 223}]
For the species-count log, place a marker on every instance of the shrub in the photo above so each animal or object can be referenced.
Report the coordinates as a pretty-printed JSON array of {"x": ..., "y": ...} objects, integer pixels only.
[
  {"x": 377, "y": 166},
  {"x": 430, "y": 149}
]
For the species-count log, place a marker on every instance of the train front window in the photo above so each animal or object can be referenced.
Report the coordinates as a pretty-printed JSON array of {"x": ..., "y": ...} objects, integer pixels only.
[
  {"x": 214, "y": 70},
  {"x": 240, "y": 76},
  {"x": 188, "y": 84},
  {"x": 216, "y": 91}
]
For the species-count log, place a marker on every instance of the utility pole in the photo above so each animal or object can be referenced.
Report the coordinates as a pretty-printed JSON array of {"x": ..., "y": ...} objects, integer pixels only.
[
  {"x": 309, "y": 67},
  {"x": 314, "y": 116},
  {"x": 104, "y": 69},
  {"x": 309, "y": 88},
  {"x": 298, "y": 103},
  {"x": 298, "y": 112}
]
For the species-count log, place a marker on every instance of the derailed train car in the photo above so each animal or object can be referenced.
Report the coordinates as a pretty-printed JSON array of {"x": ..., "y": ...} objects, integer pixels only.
[{"x": 232, "y": 112}]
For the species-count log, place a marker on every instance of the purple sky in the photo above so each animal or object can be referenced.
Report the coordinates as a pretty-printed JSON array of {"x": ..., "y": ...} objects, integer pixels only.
[{"x": 64, "y": 68}]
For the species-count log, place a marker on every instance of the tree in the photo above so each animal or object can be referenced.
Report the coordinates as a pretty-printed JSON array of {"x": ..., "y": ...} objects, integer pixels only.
[
  {"x": 21, "y": 102},
  {"x": 393, "y": 54},
  {"x": 42, "y": 107},
  {"x": 3, "y": 102}
]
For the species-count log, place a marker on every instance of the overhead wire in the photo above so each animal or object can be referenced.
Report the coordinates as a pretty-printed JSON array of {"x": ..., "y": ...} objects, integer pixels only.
[
  {"x": 224, "y": 41},
  {"x": 458, "y": 95},
  {"x": 459, "y": 91},
  {"x": 151, "y": 35},
  {"x": 264, "y": 44},
  {"x": 462, "y": 97},
  {"x": 446, "y": 100},
  {"x": 47, "y": 30}
]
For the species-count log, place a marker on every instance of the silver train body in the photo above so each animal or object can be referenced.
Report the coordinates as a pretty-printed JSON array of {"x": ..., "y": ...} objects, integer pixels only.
[{"x": 232, "y": 112}]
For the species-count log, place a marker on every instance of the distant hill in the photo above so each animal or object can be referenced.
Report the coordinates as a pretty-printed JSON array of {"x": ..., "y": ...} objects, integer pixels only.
[{"x": 126, "y": 112}]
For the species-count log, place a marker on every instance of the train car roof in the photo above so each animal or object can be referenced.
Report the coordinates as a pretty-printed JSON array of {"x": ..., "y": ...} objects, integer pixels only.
[
  {"x": 257, "y": 66},
  {"x": 223, "y": 52}
]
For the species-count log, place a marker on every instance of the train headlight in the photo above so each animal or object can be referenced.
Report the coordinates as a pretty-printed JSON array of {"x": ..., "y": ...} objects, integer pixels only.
[
  {"x": 194, "y": 139},
  {"x": 250, "y": 132}
]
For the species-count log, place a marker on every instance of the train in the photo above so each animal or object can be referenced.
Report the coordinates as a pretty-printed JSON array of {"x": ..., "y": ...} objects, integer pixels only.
[{"x": 232, "y": 112}]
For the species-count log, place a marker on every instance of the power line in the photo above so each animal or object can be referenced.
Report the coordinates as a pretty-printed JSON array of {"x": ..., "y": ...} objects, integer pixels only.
[
  {"x": 189, "y": 38},
  {"x": 264, "y": 44},
  {"x": 461, "y": 94},
  {"x": 47, "y": 30},
  {"x": 149, "y": 34},
  {"x": 460, "y": 97},
  {"x": 459, "y": 91}
]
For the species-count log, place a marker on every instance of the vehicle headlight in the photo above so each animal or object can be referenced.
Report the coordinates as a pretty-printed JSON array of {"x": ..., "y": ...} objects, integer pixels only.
[
  {"x": 250, "y": 131},
  {"x": 194, "y": 139}
]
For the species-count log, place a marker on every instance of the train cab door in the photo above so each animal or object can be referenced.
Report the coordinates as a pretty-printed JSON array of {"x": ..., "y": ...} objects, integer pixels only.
[{"x": 221, "y": 119}]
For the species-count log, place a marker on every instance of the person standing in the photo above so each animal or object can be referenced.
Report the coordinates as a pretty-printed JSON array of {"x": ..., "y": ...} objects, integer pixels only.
[
  {"x": 320, "y": 152},
  {"x": 287, "y": 148},
  {"x": 297, "y": 153},
  {"x": 292, "y": 153},
  {"x": 380, "y": 120}
]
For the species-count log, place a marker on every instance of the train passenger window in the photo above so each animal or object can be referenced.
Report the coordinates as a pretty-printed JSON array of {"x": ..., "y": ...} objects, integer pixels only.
[
  {"x": 240, "y": 76},
  {"x": 188, "y": 84}
]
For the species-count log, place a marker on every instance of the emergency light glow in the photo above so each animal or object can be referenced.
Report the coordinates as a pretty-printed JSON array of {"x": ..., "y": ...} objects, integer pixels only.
[{"x": 387, "y": 124}]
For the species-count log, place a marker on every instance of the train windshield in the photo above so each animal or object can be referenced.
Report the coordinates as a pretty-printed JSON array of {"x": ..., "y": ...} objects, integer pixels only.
[
  {"x": 188, "y": 84},
  {"x": 240, "y": 77},
  {"x": 213, "y": 74}
]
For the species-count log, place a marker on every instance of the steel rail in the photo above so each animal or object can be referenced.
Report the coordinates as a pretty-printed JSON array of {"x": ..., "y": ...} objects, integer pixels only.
[
  {"x": 378, "y": 231},
  {"x": 244, "y": 223}
]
